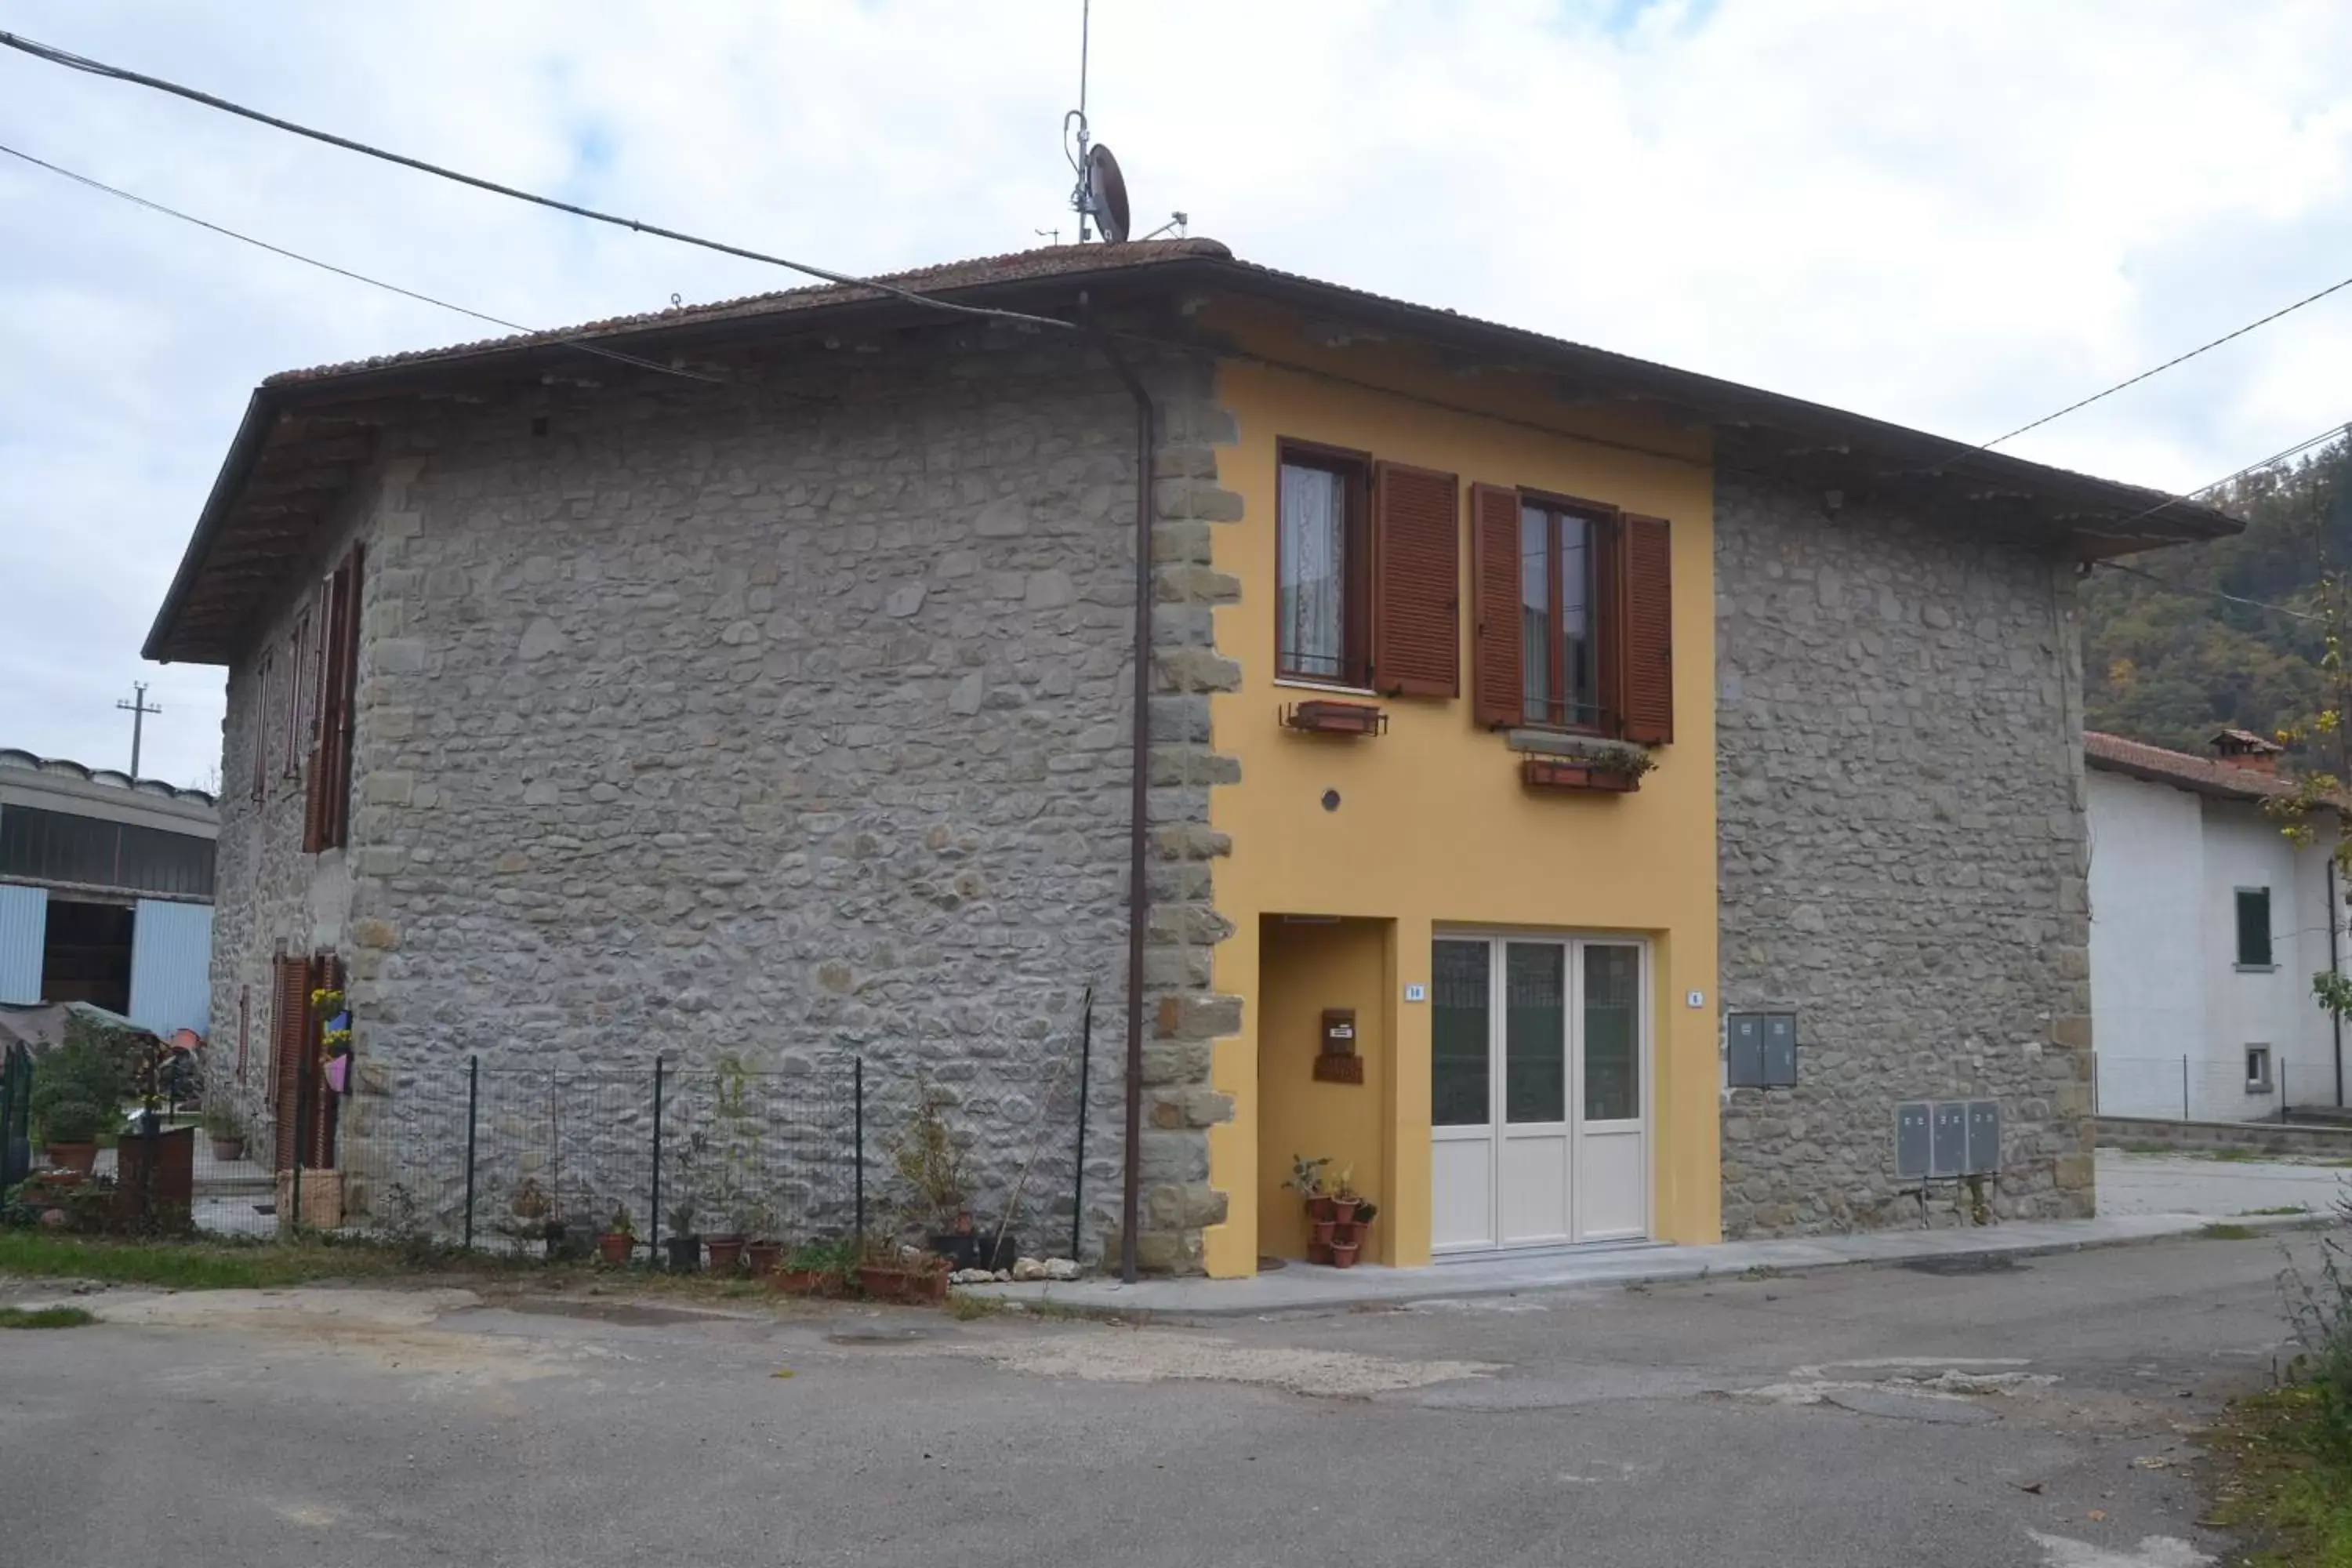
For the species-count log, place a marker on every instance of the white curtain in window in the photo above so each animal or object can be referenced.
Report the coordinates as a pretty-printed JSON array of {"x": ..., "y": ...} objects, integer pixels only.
[{"x": 1313, "y": 570}]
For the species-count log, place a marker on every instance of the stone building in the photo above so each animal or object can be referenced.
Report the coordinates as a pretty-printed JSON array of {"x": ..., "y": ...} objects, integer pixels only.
[{"x": 756, "y": 683}]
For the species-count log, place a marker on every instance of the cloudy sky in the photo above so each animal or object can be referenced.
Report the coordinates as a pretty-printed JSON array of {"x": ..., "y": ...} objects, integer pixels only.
[{"x": 1958, "y": 217}]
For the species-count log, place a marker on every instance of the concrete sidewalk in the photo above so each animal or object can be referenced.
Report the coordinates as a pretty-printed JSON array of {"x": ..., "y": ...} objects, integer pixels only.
[{"x": 1302, "y": 1288}]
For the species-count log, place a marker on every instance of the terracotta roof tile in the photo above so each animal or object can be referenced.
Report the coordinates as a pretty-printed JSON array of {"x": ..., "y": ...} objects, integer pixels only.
[
  {"x": 1046, "y": 261},
  {"x": 2204, "y": 776}
]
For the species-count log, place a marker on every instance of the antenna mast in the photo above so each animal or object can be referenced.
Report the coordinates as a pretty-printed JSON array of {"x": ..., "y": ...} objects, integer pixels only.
[{"x": 1079, "y": 195}]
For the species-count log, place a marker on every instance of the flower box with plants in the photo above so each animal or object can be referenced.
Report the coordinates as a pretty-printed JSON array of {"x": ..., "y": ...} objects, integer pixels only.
[
  {"x": 891, "y": 1271},
  {"x": 618, "y": 1238},
  {"x": 1337, "y": 1215},
  {"x": 816, "y": 1268}
]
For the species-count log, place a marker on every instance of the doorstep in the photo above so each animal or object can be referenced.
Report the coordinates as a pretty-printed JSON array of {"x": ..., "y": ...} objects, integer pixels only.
[{"x": 1304, "y": 1288}]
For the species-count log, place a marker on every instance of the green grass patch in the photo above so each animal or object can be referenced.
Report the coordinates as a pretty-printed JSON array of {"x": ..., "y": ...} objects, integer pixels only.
[
  {"x": 45, "y": 1318},
  {"x": 190, "y": 1265},
  {"x": 2220, "y": 1230},
  {"x": 2281, "y": 1485}
]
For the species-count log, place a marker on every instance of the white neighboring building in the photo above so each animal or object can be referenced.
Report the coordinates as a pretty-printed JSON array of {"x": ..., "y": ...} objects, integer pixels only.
[{"x": 2206, "y": 925}]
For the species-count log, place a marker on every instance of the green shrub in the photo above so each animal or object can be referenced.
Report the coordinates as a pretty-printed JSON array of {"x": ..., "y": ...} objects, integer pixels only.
[
  {"x": 2320, "y": 1301},
  {"x": 86, "y": 1067},
  {"x": 72, "y": 1122}
]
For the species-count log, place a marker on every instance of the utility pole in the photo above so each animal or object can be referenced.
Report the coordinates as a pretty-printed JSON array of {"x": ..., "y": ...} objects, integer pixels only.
[{"x": 138, "y": 710}]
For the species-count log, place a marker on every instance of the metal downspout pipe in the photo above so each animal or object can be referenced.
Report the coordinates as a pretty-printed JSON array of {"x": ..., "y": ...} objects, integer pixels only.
[{"x": 1138, "y": 896}]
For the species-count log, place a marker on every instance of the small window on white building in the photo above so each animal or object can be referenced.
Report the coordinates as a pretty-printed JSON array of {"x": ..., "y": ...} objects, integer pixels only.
[
  {"x": 2254, "y": 928},
  {"x": 2258, "y": 1069}
]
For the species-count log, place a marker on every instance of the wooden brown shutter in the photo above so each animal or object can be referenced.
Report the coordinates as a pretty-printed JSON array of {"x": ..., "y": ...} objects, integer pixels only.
[
  {"x": 1497, "y": 681},
  {"x": 328, "y": 808},
  {"x": 1416, "y": 582},
  {"x": 262, "y": 683},
  {"x": 290, "y": 1030},
  {"x": 1647, "y": 669}
]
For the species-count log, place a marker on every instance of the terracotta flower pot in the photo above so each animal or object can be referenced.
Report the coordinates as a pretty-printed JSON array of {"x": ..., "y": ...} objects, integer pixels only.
[
  {"x": 1318, "y": 1252},
  {"x": 762, "y": 1256},
  {"x": 227, "y": 1151},
  {"x": 798, "y": 1281},
  {"x": 1321, "y": 1232},
  {"x": 1346, "y": 1233},
  {"x": 1343, "y": 1257},
  {"x": 1320, "y": 1209},
  {"x": 82, "y": 1157},
  {"x": 1343, "y": 1210},
  {"x": 614, "y": 1247},
  {"x": 724, "y": 1251}
]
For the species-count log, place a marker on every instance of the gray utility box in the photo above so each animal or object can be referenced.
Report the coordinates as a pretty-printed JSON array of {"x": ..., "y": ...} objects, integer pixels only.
[
  {"x": 1947, "y": 1139},
  {"x": 1760, "y": 1051}
]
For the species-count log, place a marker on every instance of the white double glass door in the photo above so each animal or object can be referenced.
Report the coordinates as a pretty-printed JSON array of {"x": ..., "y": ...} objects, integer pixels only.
[{"x": 1540, "y": 1092}]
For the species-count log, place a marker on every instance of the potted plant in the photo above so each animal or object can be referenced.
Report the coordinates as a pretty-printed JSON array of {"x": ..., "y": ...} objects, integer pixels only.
[
  {"x": 1344, "y": 1198},
  {"x": 726, "y": 1251},
  {"x": 226, "y": 1129},
  {"x": 765, "y": 1248},
  {"x": 618, "y": 1238},
  {"x": 69, "y": 1128},
  {"x": 684, "y": 1246},
  {"x": 1347, "y": 1238},
  {"x": 1308, "y": 1179},
  {"x": 933, "y": 1170}
]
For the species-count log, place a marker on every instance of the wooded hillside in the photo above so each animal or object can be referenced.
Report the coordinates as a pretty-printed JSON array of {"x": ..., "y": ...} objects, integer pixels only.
[{"x": 2170, "y": 668}]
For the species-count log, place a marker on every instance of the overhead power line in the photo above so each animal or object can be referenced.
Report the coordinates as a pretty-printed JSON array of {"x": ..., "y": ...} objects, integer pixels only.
[
  {"x": 2168, "y": 364},
  {"x": 99, "y": 67},
  {"x": 599, "y": 352},
  {"x": 2330, "y": 434},
  {"x": 2188, "y": 591}
]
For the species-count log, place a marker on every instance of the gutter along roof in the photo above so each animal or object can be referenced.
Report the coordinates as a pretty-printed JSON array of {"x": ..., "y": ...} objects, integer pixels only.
[{"x": 308, "y": 434}]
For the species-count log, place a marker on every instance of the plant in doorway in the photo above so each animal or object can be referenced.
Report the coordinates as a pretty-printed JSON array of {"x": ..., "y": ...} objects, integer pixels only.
[
  {"x": 1310, "y": 1181},
  {"x": 226, "y": 1129}
]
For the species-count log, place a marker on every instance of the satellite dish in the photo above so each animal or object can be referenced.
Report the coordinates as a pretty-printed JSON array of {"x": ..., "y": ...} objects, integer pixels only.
[{"x": 1106, "y": 194}]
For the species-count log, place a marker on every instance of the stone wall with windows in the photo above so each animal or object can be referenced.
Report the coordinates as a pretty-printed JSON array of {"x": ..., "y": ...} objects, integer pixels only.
[
  {"x": 1903, "y": 854},
  {"x": 768, "y": 723}
]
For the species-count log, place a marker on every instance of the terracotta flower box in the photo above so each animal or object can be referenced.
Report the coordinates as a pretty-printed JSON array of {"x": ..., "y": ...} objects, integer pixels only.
[
  {"x": 892, "y": 1282},
  {"x": 1552, "y": 774},
  {"x": 1322, "y": 717}
]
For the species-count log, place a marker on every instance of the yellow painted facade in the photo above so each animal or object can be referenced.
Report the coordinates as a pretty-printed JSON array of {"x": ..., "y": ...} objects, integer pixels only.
[{"x": 1434, "y": 829}]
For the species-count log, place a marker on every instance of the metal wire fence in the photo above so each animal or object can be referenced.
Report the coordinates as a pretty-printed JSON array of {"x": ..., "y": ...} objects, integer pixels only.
[
  {"x": 532, "y": 1161},
  {"x": 2262, "y": 1087}
]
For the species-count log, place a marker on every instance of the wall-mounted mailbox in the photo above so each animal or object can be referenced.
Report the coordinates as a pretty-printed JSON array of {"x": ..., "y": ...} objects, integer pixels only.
[
  {"x": 1760, "y": 1051},
  {"x": 1950, "y": 1154},
  {"x": 1336, "y": 1061},
  {"x": 1984, "y": 1137},
  {"x": 1914, "y": 1150},
  {"x": 1946, "y": 1140}
]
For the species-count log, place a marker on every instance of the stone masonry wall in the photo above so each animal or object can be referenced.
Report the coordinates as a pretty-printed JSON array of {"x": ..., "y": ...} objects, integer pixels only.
[
  {"x": 764, "y": 724},
  {"x": 1903, "y": 854}
]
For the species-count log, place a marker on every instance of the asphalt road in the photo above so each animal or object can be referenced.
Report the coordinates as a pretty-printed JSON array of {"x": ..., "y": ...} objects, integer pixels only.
[{"x": 2042, "y": 1414}]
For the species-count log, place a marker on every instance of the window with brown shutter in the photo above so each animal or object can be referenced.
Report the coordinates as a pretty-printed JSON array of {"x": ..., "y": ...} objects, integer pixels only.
[
  {"x": 1417, "y": 581},
  {"x": 327, "y": 807},
  {"x": 300, "y": 1099},
  {"x": 1574, "y": 627},
  {"x": 289, "y": 1036},
  {"x": 298, "y": 694},
  {"x": 1323, "y": 559},
  {"x": 264, "y": 680},
  {"x": 1497, "y": 689},
  {"x": 1647, "y": 597}
]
